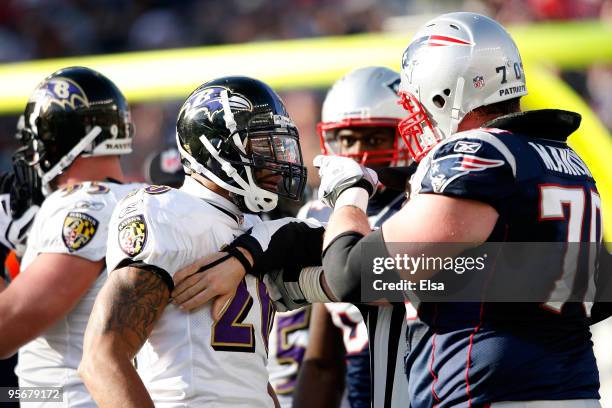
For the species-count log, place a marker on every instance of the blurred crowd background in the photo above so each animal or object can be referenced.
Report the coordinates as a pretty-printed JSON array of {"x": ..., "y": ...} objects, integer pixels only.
[{"x": 35, "y": 29}]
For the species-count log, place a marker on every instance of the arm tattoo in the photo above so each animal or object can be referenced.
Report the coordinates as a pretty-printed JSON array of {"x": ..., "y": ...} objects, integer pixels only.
[{"x": 139, "y": 297}]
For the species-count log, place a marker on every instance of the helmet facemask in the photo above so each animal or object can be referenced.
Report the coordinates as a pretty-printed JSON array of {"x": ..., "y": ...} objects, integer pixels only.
[{"x": 396, "y": 155}]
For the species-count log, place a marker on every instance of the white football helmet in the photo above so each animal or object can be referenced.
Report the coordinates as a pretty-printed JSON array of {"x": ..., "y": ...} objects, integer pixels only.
[
  {"x": 364, "y": 97},
  {"x": 456, "y": 63}
]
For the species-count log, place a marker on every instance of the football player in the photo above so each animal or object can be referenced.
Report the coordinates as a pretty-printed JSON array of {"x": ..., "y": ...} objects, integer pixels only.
[
  {"x": 360, "y": 117},
  {"x": 76, "y": 125},
  {"x": 240, "y": 151},
  {"x": 359, "y": 120},
  {"x": 487, "y": 172},
  {"x": 21, "y": 197}
]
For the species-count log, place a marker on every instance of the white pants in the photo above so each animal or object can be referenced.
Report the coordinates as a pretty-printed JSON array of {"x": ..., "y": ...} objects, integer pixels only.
[{"x": 582, "y": 403}]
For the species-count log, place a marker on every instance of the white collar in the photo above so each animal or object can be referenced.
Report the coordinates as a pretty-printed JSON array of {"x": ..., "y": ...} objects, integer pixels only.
[{"x": 193, "y": 187}]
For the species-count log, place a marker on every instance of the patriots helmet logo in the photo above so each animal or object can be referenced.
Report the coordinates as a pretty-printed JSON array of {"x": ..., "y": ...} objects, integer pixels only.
[
  {"x": 62, "y": 92},
  {"x": 208, "y": 100},
  {"x": 429, "y": 41}
]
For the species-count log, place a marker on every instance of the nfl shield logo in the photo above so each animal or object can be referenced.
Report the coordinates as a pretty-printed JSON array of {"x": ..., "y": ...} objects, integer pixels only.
[{"x": 478, "y": 81}]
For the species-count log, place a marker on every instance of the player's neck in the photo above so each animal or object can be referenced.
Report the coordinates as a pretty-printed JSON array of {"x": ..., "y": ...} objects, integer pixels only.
[
  {"x": 475, "y": 120},
  {"x": 91, "y": 169},
  {"x": 211, "y": 186}
]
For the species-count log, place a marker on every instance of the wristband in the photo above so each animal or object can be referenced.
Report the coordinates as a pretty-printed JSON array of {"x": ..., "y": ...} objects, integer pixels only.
[
  {"x": 215, "y": 263},
  {"x": 249, "y": 243},
  {"x": 353, "y": 196},
  {"x": 236, "y": 253},
  {"x": 310, "y": 285}
]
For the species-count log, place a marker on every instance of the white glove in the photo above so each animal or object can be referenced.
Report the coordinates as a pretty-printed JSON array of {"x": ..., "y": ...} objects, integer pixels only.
[
  {"x": 338, "y": 175},
  {"x": 13, "y": 232}
]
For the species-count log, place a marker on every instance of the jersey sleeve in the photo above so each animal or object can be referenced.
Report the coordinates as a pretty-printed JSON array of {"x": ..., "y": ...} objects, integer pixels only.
[
  {"x": 475, "y": 165},
  {"x": 134, "y": 238},
  {"x": 146, "y": 232},
  {"x": 74, "y": 224}
]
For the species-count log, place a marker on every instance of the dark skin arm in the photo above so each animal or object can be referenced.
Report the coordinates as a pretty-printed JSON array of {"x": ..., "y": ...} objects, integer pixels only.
[
  {"x": 321, "y": 378},
  {"x": 123, "y": 316}
]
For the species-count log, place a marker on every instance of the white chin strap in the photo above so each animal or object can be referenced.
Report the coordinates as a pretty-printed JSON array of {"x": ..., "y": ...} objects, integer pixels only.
[
  {"x": 456, "y": 115},
  {"x": 67, "y": 160},
  {"x": 255, "y": 198}
]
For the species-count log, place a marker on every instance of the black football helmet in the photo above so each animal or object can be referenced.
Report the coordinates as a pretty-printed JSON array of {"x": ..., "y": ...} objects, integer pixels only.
[
  {"x": 236, "y": 132},
  {"x": 74, "y": 112}
]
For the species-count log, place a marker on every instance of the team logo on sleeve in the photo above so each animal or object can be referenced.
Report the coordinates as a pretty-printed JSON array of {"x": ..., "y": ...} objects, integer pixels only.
[
  {"x": 445, "y": 170},
  {"x": 133, "y": 235},
  {"x": 475, "y": 163},
  {"x": 79, "y": 228}
]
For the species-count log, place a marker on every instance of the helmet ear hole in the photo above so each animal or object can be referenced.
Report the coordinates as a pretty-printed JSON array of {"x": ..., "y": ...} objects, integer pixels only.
[
  {"x": 439, "y": 101},
  {"x": 447, "y": 92}
]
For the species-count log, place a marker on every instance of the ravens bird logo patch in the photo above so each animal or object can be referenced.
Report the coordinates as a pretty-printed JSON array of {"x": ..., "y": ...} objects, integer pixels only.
[
  {"x": 132, "y": 235},
  {"x": 79, "y": 228}
]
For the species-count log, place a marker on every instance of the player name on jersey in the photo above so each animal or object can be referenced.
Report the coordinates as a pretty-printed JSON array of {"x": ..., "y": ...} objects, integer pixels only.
[{"x": 562, "y": 160}]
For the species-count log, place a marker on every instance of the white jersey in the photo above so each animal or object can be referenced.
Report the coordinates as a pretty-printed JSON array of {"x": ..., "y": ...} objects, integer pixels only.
[
  {"x": 189, "y": 360},
  {"x": 73, "y": 221},
  {"x": 349, "y": 320},
  {"x": 288, "y": 342}
]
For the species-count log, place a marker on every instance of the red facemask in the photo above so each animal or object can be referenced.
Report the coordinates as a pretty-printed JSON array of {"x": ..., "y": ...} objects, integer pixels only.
[
  {"x": 371, "y": 158},
  {"x": 416, "y": 129}
]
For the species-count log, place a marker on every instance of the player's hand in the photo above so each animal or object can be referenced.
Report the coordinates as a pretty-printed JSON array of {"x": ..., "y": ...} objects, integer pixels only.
[
  {"x": 341, "y": 173},
  {"x": 218, "y": 283}
]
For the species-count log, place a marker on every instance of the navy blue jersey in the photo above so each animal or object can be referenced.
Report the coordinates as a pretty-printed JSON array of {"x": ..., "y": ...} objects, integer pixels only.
[{"x": 476, "y": 353}]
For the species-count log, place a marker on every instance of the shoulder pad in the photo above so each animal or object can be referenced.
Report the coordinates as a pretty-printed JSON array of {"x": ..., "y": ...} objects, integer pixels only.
[
  {"x": 475, "y": 164},
  {"x": 74, "y": 220}
]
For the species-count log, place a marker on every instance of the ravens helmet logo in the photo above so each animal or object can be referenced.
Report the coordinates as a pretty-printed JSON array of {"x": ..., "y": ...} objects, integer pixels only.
[{"x": 208, "y": 100}]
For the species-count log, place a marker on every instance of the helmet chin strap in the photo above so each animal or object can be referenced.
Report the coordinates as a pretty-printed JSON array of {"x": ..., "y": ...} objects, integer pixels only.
[
  {"x": 456, "y": 109},
  {"x": 67, "y": 160},
  {"x": 254, "y": 196}
]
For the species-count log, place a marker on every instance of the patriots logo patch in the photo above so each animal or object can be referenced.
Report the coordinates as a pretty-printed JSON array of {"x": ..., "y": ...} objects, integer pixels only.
[
  {"x": 133, "y": 235},
  {"x": 475, "y": 163},
  {"x": 79, "y": 229},
  {"x": 208, "y": 100},
  {"x": 62, "y": 92}
]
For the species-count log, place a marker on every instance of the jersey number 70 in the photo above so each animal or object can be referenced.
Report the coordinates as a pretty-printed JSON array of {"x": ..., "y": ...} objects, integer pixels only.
[{"x": 554, "y": 199}]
